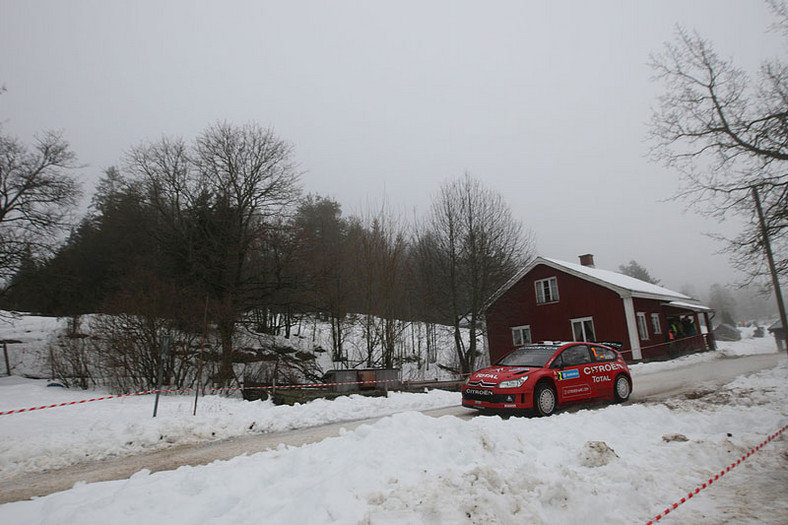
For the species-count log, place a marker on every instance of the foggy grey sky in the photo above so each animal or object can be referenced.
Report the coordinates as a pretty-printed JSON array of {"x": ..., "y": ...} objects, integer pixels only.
[{"x": 546, "y": 102}]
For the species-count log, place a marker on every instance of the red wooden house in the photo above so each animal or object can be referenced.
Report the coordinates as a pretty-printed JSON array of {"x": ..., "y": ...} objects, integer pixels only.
[{"x": 551, "y": 300}]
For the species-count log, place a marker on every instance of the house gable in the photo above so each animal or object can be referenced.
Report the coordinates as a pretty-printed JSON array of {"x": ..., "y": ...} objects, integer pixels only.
[{"x": 577, "y": 299}]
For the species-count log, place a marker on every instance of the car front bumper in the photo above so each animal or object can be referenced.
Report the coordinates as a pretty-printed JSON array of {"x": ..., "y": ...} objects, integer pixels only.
[{"x": 497, "y": 399}]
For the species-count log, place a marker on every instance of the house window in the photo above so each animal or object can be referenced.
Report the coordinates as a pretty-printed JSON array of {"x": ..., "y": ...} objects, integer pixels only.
[
  {"x": 583, "y": 329},
  {"x": 547, "y": 291},
  {"x": 521, "y": 335},
  {"x": 642, "y": 327},
  {"x": 655, "y": 325}
]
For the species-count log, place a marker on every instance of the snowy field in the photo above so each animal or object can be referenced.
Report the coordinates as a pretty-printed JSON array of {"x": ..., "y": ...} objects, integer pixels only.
[{"x": 411, "y": 468}]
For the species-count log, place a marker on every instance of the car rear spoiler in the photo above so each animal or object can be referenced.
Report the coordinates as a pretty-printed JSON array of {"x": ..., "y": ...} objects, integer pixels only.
[{"x": 615, "y": 345}]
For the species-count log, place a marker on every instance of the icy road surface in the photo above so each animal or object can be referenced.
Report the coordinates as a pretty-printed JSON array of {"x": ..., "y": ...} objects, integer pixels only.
[{"x": 667, "y": 383}]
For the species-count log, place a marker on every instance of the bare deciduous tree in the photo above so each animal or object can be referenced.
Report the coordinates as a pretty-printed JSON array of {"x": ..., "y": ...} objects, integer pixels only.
[
  {"x": 728, "y": 137},
  {"x": 381, "y": 252},
  {"x": 471, "y": 246},
  {"x": 248, "y": 170},
  {"x": 36, "y": 194},
  {"x": 213, "y": 200}
]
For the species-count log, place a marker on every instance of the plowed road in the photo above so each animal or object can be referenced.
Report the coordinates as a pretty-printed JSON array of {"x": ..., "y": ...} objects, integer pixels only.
[{"x": 654, "y": 386}]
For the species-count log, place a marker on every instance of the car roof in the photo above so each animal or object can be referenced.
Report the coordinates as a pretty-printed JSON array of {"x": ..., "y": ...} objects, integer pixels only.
[
  {"x": 567, "y": 343},
  {"x": 542, "y": 344},
  {"x": 548, "y": 344},
  {"x": 557, "y": 345}
]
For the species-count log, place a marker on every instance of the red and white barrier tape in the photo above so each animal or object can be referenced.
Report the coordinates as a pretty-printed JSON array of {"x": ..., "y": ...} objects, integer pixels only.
[
  {"x": 716, "y": 477},
  {"x": 20, "y": 410},
  {"x": 226, "y": 389}
]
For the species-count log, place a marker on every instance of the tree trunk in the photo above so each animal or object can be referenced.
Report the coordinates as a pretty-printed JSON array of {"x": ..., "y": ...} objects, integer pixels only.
[
  {"x": 471, "y": 353},
  {"x": 462, "y": 355},
  {"x": 767, "y": 247},
  {"x": 226, "y": 330},
  {"x": 336, "y": 337}
]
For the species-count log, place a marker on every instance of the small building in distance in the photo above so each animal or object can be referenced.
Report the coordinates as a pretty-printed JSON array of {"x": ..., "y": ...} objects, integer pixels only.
[
  {"x": 552, "y": 300},
  {"x": 779, "y": 335}
]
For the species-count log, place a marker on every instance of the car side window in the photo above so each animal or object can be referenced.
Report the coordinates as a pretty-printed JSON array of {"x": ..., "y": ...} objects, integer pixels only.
[
  {"x": 602, "y": 354},
  {"x": 576, "y": 355},
  {"x": 558, "y": 362}
]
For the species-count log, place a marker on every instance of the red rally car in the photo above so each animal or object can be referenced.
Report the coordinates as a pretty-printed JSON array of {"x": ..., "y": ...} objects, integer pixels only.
[{"x": 545, "y": 376}]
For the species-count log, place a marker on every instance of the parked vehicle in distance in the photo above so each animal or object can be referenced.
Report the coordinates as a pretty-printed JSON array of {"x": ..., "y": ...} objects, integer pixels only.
[{"x": 543, "y": 377}]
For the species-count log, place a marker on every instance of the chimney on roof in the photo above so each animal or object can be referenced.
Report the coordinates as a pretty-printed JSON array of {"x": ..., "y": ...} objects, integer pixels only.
[{"x": 587, "y": 260}]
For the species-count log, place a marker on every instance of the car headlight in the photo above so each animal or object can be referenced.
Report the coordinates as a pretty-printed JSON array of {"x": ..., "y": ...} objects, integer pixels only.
[{"x": 513, "y": 383}]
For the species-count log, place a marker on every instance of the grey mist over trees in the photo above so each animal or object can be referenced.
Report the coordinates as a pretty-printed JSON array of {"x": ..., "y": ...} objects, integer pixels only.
[
  {"x": 727, "y": 134},
  {"x": 724, "y": 304},
  {"x": 634, "y": 269},
  {"x": 217, "y": 229},
  {"x": 730, "y": 303}
]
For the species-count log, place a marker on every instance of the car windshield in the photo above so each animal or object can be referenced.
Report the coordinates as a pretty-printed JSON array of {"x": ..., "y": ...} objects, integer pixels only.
[{"x": 529, "y": 356}]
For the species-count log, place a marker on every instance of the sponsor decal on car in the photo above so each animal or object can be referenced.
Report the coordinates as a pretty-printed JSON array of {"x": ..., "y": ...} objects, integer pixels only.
[
  {"x": 568, "y": 374},
  {"x": 491, "y": 376},
  {"x": 478, "y": 392},
  {"x": 607, "y": 367},
  {"x": 576, "y": 390},
  {"x": 601, "y": 379}
]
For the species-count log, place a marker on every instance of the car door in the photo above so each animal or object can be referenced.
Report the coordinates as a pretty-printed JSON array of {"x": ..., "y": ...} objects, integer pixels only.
[
  {"x": 572, "y": 383},
  {"x": 602, "y": 370}
]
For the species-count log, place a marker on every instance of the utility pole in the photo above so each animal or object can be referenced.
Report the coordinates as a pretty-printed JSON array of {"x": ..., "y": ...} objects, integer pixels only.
[{"x": 767, "y": 247}]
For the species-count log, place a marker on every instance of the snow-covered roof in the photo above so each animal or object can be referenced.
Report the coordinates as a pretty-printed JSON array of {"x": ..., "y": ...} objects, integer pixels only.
[
  {"x": 619, "y": 280},
  {"x": 624, "y": 285},
  {"x": 690, "y": 306}
]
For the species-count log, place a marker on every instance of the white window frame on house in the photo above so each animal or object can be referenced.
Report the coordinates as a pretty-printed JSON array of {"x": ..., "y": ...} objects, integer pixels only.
[
  {"x": 546, "y": 290},
  {"x": 584, "y": 324},
  {"x": 642, "y": 326},
  {"x": 655, "y": 324},
  {"x": 521, "y": 335}
]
